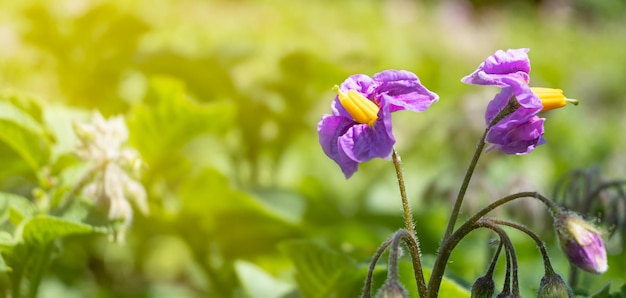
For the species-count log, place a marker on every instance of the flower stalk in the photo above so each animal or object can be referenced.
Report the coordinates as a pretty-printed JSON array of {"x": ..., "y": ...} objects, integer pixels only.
[
  {"x": 411, "y": 242},
  {"x": 445, "y": 249},
  {"x": 408, "y": 215}
]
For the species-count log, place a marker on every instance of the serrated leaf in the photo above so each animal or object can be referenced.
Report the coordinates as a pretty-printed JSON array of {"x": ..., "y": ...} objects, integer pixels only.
[
  {"x": 43, "y": 229},
  {"x": 319, "y": 270},
  {"x": 24, "y": 134}
]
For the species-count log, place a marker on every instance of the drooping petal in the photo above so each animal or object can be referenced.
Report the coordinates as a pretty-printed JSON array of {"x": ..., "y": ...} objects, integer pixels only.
[
  {"x": 521, "y": 131},
  {"x": 529, "y": 106},
  {"x": 519, "y": 139},
  {"x": 364, "y": 142},
  {"x": 523, "y": 93},
  {"x": 330, "y": 128},
  {"x": 403, "y": 91},
  {"x": 513, "y": 62},
  {"x": 358, "y": 130},
  {"x": 497, "y": 104}
]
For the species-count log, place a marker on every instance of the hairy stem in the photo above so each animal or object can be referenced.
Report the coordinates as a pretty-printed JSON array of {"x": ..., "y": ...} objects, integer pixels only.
[
  {"x": 506, "y": 111},
  {"x": 413, "y": 245},
  {"x": 534, "y": 236},
  {"x": 488, "y": 223},
  {"x": 506, "y": 288},
  {"x": 466, "y": 180},
  {"x": 448, "y": 244},
  {"x": 408, "y": 216},
  {"x": 367, "y": 288},
  {"x": 416, "y": 257},
  {"x": 494, "y": 261}
]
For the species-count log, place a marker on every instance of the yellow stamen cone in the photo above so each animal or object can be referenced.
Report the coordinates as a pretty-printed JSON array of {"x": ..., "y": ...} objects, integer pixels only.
[
  {"x": 552, "y": 98},
  {"x": 360, "y": 108}
]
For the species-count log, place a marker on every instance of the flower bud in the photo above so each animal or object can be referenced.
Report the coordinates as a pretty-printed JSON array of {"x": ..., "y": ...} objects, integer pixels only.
[
  {"x": 483, "y": 287},
  {"x": 581, "y": 242},
  {"x": 392, "y": 289},
  {"x": 553, "y": 286}
]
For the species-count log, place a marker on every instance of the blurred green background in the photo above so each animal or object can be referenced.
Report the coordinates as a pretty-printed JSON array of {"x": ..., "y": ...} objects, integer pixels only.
[{"x": 222, "y": 99}]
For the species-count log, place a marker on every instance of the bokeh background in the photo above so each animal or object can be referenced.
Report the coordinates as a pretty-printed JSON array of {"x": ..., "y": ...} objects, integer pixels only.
[{"x": 222, "y": 99}]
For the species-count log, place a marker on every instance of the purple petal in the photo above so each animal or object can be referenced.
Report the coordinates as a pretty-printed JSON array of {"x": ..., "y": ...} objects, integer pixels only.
[
  {"x": 498, "y": 103},
  {"x": 590, "y": 257},
  {"x": 363, "y": 142},
  {"x": 518, "y": 139},
  {"x": 403, "y": 91},
  {"x": 513, "y": 62},
  {"x": 529, "y": 107},
  {"x": 338, "y": 109},
  {"x": 359, "y": 82},
  {"x": 330, "y": 128},
  {"x": 524, "y": 95}
]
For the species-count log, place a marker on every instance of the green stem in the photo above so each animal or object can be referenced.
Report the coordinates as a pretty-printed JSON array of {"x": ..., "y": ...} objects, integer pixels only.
[
  {"x": 29, "y": 266},
  {"x": 488, "y": 223},
  {"x": 511, "y": 107},
  {"x": 86, "y": 178},
  {"x": 394, "y": 254},
  {"x": 494, "y": 261},
  {"x": 42, "y": 260},
  {"x": 408, "y": 216},
  {"x": 410, "y": 239},
  {"x": 466, "y": 180},
  {"x": 448, "y": 244},
  {"x": 367, "y": 289},
  {"x": 413, "y": 245},
  {"x": 506, "y": 288},
  {"x": 414, "y": 248},
  {"x": 573, "y": 276},
  {"x": 542, "y": 247}
]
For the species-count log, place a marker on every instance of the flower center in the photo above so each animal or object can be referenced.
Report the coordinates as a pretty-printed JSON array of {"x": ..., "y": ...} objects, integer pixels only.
[
  {"x": 552, "y": 98},
  {"x": 360, "y": 108}
]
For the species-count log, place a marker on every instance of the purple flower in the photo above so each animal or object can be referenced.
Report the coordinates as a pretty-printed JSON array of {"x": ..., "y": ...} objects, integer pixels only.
[
  {"x": 521, "y": 131},
  {"x": 581, "y": 243},
  {"x": 359, "y": 128}
]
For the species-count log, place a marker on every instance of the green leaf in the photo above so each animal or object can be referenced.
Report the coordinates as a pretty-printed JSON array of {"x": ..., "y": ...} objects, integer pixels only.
[
  {"x": 23, "y": 132},
  {"x": 6, "y": 245},
  {"x": 258, "y": 283},
  {"x": 43, "y": 229},
  {"x": 449, "y": 287},
  {"x": 231, "y": 218},
  {"x": 6, "y": 241},
  {"x": 167, "y": 120},
  {"x": 3, "y": 266},
  {"x": 319, "y": 270},
  {"x": 15, "y": 207},
  {"x": 602, "y": 293}
]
